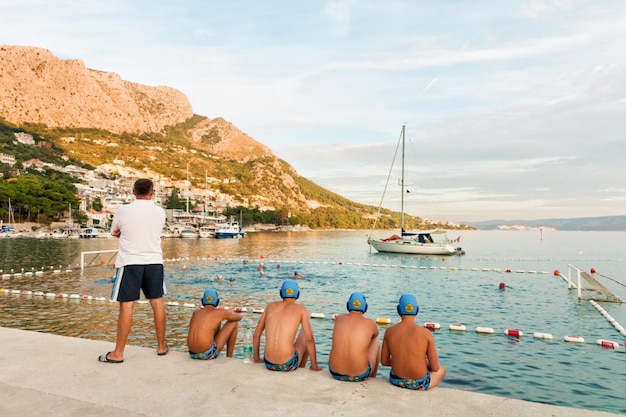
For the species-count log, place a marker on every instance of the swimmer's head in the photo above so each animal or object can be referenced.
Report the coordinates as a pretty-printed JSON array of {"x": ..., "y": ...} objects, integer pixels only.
[
  {"x": 407, "y": 306},
  {"x": 210, "y": 298},
  {"x": 290, "y": 289},
  {"x": 357, "y": 302},
  {"x": 295, "y": 272}
]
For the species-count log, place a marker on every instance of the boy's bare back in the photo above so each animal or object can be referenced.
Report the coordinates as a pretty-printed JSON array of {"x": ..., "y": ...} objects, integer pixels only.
[
  {"x": 352, "y": 336},
  {"x": 204, "y": 325},
  {"x": 281, "y": 322},
  {"x": 411, "y": 349}
]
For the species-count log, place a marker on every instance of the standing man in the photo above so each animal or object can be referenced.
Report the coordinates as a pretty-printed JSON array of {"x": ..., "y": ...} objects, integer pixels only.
[
  {"x": 280, "y": 321},
  {"x": 410, "y": 350},
  {"x": 355, "y": 350},
  {"x": 139, "y": 264},
  {"x": 207, "y": 336}
]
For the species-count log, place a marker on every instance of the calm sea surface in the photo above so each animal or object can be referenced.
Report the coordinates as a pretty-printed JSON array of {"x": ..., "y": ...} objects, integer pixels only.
[{"x": 463, "y": 290}]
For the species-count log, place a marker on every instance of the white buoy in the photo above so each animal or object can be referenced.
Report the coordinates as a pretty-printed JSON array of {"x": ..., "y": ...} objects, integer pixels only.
[
  {"x": 457, "y": 327},
  {"x": 485, "y": 330},
  {"x": 574, "y": 339}
]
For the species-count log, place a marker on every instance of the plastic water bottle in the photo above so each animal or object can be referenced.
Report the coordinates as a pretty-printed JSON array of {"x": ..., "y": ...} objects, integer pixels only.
[{"x": 247, "y": 346}]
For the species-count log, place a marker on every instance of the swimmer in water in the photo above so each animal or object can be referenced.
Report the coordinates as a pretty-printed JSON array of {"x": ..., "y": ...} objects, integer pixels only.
[{"x": 296, "y": 275}]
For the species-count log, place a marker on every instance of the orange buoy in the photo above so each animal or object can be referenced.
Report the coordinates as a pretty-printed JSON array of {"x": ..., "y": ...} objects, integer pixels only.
[
  {"x": 103, "y": 261},
  {"x": 593, "y": 270},
  {"x": 557, "y": 272}
]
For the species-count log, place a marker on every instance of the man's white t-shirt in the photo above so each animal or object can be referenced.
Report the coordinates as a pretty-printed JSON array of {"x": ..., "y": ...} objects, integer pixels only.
[{"x": 140, "y": 224}]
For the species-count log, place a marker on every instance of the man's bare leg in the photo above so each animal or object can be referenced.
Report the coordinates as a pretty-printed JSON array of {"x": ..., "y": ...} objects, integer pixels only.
[
  {"x": 437, "y": 377},
  {"x": 124, "y": 323},
  {"x": 227, "y": 335},
  {"x": 300, "y": 346},
  {"x": 158, "y": 308}
]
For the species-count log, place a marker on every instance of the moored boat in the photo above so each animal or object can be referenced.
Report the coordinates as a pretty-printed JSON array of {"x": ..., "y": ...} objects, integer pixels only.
[
  {"x": 189, "y": 232},
  {"x": 229, "y": 231},
  {"x": 418, "y": 242}
]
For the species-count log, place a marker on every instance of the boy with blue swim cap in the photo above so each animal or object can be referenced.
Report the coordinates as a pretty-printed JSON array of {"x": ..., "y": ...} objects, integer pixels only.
[
  {"x": 280, "y": 322},
  {"x": 207, "y": 336},
  {"x": 355, "y": 350},
  {"x": 410, "y": 350}
]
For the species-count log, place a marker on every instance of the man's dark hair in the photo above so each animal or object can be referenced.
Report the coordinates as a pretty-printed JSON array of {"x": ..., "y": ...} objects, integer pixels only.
[{"x": 143, "y": 187}]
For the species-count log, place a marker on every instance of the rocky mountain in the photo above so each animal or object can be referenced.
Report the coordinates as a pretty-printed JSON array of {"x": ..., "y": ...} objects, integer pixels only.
[
  {"x": 38, "y": 87},
  {"x": 99, "y": 119}
]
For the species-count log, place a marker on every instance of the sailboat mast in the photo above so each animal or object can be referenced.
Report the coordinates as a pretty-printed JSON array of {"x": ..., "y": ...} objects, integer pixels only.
[
  {"x": 206, "y": 191},
  {"x": 402, "y": 184},
  {"x": 187, "y": 206}
]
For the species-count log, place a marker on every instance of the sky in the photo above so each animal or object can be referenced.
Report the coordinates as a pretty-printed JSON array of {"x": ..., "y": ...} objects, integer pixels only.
[{"x": 513, "y": 109}]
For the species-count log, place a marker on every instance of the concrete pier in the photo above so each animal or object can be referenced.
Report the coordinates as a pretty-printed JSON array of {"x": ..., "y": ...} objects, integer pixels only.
[{"x": 50, "y": 375}]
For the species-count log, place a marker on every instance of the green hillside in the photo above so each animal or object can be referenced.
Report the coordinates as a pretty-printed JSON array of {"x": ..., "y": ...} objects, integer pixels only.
[{"x": 170, "y": 154}]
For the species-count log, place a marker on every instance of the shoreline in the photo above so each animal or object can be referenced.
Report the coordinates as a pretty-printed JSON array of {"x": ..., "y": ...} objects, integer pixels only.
[{"x": 51, "y": 375}]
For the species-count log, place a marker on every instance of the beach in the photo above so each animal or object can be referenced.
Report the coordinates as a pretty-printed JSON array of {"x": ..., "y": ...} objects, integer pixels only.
[{"x": 51, "y": 375}]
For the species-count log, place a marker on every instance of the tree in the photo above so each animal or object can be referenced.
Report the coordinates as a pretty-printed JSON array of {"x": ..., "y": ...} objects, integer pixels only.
[{"x": 97, "y": 204}]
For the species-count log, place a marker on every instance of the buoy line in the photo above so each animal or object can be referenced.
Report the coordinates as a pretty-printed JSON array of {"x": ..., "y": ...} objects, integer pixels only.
[
  {"x": 433, "y": 326},
  {"x": 609, "y": 318}
]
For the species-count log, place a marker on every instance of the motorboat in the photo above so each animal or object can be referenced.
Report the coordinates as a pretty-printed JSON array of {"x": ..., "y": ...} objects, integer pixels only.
[{"x": 229, "y": 231}]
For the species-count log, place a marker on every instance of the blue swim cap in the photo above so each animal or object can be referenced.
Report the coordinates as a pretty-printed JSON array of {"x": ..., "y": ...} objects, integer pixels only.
[
  {"x": 407, "y": 306},
  {"x": 290, "y": 289},
  {"x": 210, "y": 298},
  {"x": 357, "y": 302}
]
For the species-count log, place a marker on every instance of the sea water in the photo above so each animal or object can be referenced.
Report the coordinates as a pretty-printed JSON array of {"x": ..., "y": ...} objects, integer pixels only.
[{"x": 458, "y": 289}]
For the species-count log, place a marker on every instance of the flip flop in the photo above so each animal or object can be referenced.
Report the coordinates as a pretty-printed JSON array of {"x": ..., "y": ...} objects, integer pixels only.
[
  {"x": 105, "y": 358},
  {"x": 165, "y": 352}
]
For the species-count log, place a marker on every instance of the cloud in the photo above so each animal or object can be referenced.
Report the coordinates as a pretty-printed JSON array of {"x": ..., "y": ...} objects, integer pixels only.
[{"x": 512, "y": 112}]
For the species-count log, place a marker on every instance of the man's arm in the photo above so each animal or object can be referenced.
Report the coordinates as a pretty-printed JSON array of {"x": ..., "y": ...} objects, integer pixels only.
[
  {"x": 231, "y": 315},
  {"x": 115, "y": 227},
  {"x": 431, "y": 354},
  {"x": 256, "y": 339},
  {"x": 310, "y": 340},
  {"x": 385, "y": 357}
]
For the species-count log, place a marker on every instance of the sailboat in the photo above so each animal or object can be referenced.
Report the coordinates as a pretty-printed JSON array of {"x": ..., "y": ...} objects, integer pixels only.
[{"x": 419, "y": 242}]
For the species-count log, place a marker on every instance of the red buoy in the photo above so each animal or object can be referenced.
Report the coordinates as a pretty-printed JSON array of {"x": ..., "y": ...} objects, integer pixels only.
[
  {"x": 508, "y": 270},
  {"x": 593, "y": 270},
  {"x": 557, "y": 272},
  {"x": 502, "y": 285},
  {"x": 513, "y": 332}
]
